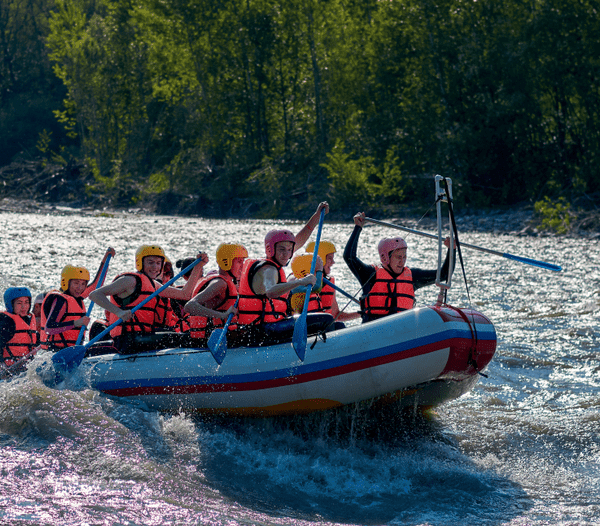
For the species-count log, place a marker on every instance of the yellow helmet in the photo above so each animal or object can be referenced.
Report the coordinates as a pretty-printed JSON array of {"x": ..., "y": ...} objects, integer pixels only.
[
  {"x": 227, "y": 252},
  {"x": 147, "y": 250},
  {"x": 301, "y": 265},
  {"x": 325, "y": 247},
  {"x": 70, "y": 272}
]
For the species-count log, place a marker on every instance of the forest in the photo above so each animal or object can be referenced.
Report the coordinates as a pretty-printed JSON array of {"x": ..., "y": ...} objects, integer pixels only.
[{"x": 262, "y": 108}]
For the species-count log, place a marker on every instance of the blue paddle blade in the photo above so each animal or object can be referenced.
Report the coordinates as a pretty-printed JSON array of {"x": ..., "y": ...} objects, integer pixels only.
[
  {"x": 299, "y": 337},
  {"x": 217, "y": 343},
  {"x": 68, "y": 358},
  {"x": 533, "y": 262}
]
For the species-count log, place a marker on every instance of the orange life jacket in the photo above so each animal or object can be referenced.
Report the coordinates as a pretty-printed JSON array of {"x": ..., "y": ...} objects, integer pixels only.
[
  {"x": 145, "y": 318},
  {"x": 389, "y": 294},
  {"x": 23, "y": 340},
  {"x": 257, "y": 308},
  {"x": 202, "y": 326},
  {"x": 75, "y": 310}
]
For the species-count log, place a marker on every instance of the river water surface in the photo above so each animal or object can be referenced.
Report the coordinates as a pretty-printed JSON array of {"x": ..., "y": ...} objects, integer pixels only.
[{"x": 523, "y": 448}]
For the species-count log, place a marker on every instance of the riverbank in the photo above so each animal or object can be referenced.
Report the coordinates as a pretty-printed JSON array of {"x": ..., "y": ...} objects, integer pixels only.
[
  {"x": 521, "y": 221},
  {"x": 29, "y": 187}
]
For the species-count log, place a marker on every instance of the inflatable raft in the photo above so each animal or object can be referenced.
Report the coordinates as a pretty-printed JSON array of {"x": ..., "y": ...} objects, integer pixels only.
[{"x": 422, "y": 358}]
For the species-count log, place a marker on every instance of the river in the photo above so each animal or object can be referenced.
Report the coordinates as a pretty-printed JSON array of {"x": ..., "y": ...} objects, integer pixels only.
[{"x": 523, "y": 448}]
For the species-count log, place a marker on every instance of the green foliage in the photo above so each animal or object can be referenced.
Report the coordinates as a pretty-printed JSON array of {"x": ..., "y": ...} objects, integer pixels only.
[
  {"x": 234, "y": 99},
  {"x": 351, "y": 179},
  {"x": 554, "y": 215}
]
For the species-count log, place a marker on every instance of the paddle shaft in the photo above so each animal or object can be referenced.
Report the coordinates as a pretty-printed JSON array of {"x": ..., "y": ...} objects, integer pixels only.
[
  {"x": 334, "y": 286},
  {"x": 99, "y": 284},
  {"x": 218, "y": 350},
  {"x": 527, "y": 261},
  {"x": 300, "y": 329},
  {"x": 140, "y": 305}
]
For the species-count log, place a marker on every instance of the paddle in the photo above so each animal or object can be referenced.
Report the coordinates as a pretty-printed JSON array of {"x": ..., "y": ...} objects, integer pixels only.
[
  {"x": 99, "y": 284},
  {"x": 332, "y": 285},
  {"x": 217, "y": 343},
  {"x": 520, "y": 259},
  {"x": 300, "y": 328},
  {"x": 69, "y": 358}
]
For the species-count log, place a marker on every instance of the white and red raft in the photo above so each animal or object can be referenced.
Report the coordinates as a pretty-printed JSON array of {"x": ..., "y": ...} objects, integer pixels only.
[{"x": 420, "y": 358}]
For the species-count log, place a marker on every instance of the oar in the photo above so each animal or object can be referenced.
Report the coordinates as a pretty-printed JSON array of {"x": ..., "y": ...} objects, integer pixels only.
[
  {"x": 217, "y": 343},
  {"x": 99, "y": 284},
  {"x": 300, "y": 329},
  {"x": 520, "y": 259},
  {"x": 334, "y": 286},
  {"x": 70, "y": 357}
]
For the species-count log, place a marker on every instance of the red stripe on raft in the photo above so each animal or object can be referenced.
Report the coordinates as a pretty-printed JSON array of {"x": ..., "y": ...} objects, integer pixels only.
[{"x": 460, "y": 345}]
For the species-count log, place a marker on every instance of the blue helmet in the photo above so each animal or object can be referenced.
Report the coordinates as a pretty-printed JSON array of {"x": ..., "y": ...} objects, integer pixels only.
[{"x": 12, "y": 293}]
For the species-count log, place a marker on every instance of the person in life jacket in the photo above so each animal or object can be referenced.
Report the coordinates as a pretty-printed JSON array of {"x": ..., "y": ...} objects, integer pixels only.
[
  {"x": 327, "y": 294},
  {"x": 166, "y": 317},
  {"x": 390, "y": 287},
  {"x": 177, "y": 321},
  {"x": 63, "y": 311},
  {"x": 216, "y": 294},
  {"x": 264, "y": 289},
  {"x": 37, "y": 311},
  {"x": 18, "y": 335},
  {"x": 132, "y": 288},
  {"x": 301, "y": 264}
]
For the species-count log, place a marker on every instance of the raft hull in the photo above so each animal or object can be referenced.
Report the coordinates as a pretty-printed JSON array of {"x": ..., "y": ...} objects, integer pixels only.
[{"x": 425, "y": 356}]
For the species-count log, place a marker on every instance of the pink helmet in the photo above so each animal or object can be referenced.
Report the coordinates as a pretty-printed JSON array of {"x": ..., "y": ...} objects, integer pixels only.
[
  {"x": 277, "y": 236},
  {"x": 387, "y": 245}
]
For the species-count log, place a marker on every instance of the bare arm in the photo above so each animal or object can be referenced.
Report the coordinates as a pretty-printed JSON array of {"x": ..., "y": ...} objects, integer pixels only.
[
  {"x": 186, "y": 292},
  {"x": 266, "y": 282},
  {"x": 122, "y": 287},
  {"x": 92, "y": 286},
  {"x": 304, "y": 234},
  {"x": 203, "y": 303},
  {"x": 342, "y": 316}
]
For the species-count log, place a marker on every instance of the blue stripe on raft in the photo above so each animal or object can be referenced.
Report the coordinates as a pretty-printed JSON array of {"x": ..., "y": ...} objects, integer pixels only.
[{"x": 295, "y": 371}]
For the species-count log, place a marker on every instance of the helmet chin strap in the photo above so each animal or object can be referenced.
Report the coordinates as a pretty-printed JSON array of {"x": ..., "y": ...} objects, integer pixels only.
[
  {"x": 389, "y": 269},
  {"x": 235, "y": 280}
]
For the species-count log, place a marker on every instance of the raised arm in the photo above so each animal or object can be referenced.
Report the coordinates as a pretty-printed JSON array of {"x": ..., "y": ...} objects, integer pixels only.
[
  {"x": 92, "y": 286},
  {"x": 304, "y": 234},
  {"x": 361, "y": 271}
]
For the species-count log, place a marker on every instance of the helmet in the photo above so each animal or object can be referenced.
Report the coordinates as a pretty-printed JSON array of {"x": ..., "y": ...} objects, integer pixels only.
[
  {"x": 39, "y": 299},
  {"x": 388, "y": 245},
  {"x": 147, "y": 250},
  {"x": 227, "y": 252},
  {"x": 12, "y": 293},
  {"x": 277, "y": 236},
  {"x": 301, "y": 265},
  {"x": 325, "y": 247},
  {"x": 70, "y": 272}
]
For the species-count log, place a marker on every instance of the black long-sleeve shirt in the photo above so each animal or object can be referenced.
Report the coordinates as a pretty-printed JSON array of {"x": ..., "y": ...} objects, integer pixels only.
[{"x": 366, "y": 273}]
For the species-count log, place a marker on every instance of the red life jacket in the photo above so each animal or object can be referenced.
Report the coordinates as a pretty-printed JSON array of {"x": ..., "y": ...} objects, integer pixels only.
[
  {"x": 389, "y": 294},
  {"x": 202, "y": 326},
  {"x": 75, "y": 310},
  {"x": 315, "y": 303},
  {"x": 257, "y": 308},
  {"x": 322, "y": 301},
  {"x": 327, "y": 294},
  {"x": 145, "y": 318},
  {"x": 23, "y": 340}
]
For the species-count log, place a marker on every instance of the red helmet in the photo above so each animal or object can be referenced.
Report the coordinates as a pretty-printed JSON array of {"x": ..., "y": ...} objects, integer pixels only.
[
  {"x": 387, "y": 246},
  {"x": 277, "y": 236}
]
